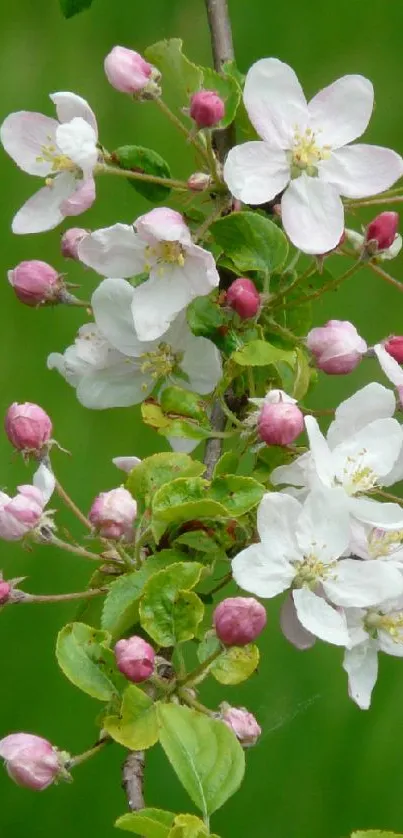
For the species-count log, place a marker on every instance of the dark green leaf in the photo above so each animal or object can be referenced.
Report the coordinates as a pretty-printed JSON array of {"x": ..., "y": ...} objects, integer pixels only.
[
  {"x": 184, "y": 499},
  {"x": 252, "y": 242},
  {"x": 169, "y": 611},
  {"x": 145, "y": 161},
  {"x": 73, "y": 7},
  {"x": 149, "y": 823},
  {"x": 205, "y": 316}
]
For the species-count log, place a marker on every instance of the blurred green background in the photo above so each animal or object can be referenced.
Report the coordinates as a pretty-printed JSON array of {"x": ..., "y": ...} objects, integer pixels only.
[{"x": 322, "y": 767}]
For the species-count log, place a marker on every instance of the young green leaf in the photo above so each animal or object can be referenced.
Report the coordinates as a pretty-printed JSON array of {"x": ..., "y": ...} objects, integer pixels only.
[
  {"x": 184, "y": 499},
  {"x": 159, "y": 469},
  {"x": 149, "y": 823},
  {"x": 73, "y": 7},
  {"x": 136, "y": 727},
  {"x": 83, "y": 655},
  {"x": 260, "y": 353},
  {"x": 227, "y": 464},
  {"x": 169, "y": 611},
  {"x": 176, "y": 400},
  {"x": 204, "y": 753},
  {"x": 184, "y": 76},
  {"x": 238, "y": 494},
  {"x": 252, "y": 242},
  {"x": 148, "y": 162},
  {"x": 236, "y": 664},
  {"x": 188, "y": 826}
]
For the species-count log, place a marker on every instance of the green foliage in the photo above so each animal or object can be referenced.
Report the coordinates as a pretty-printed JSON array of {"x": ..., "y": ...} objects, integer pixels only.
[
  {"x": 159, "y": 469},
  {"x": 84, "y": 657},
  {"x": 184, "y": 76},
  {"x": 204, "y": 754},
  {"x": 73, "y": 7},
  {"x": 227, "y": 464},
  {"x": 228, "y": 88},
  {"x": 148, "y": 162},
  {"x": 153, "y": 415},
  {"x": 136, "y": 726},
  {"x": 260, "y": 353},
  {"x": 170, "y": 611},
  {"x": 252, "y": 242},
  {"x": 236, "y": 664},
  {"x": 238, "y": 494},
  {"x": 184, "y": 403},
  {"x": 208, "y": 319},
  {"x": 148, "y": 823},
  {"x": 184, "y": 499},
  {"x": 188, "y": 826}
]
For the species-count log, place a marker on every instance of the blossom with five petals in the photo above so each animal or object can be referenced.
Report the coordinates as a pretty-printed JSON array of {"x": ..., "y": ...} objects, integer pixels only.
[
  {"x": 63, "y": 151},
  {"x": 305, "y": 153},
  {"x": 159, "y": 244}
]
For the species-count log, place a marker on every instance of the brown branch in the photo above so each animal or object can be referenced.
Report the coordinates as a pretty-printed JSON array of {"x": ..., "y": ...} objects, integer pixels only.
[
  {"x": 133, "y": 780},
  {"x": 223, "y": 50}
]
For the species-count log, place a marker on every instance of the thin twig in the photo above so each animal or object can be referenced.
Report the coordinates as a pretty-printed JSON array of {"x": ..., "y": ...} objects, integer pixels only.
[
  {"x": 387, "y": 277},
  {"x": 223, "y": 51},
  {"x": 70, "y": 503},
  {"x": 129, "y": 173},
  {"x": 62, "y": 597}
]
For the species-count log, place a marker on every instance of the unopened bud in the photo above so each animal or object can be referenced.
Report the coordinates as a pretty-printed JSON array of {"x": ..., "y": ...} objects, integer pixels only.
[
  {"x": 129, "y": 72},
  {"x": 394, "y": 345},
  {"x": 242, "y": 723},
  {"x": 199, "y": 181},
  {"x": 35, "y": 283},
  {"x": 280, "y": 420},
  {"x": 5, "y": 590},
  {"x": 27, "y": 426},
  {"x": 206, "y": 108},
  {"x": 336, "y": 346},
  {"x": 70, "y": 241},
  {"x": 239, "y": 620},
  {"x": 135, "y": 659},
  {"x": 243, "y": 297},
  {"x": 381, "y": 232},
  {"x": 20, "y": 514},
  {"x": 32, "y": 762},
  {"x": 113, "y": 513}
]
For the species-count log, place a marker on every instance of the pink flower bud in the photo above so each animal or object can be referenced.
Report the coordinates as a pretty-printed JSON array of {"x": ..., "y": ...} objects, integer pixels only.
[
  {"x": 27, "y": 426},
  {"x": 206, "y": 108},
  {"x": 128, "y": 72},
  {"x": 243, "y": 724},
  {"x": 113, "y": 514},
  {"x": 381, "y": 232},
  {"x": 199, "y": 181},
  {"x": 32, "y": 762},
  {"x": 239, "y": 620},
  {"x": 5, "y": 590},
  {"x": 21, "y": 514},
  {"x": 394, "y": 345},
  {"x": 70, "y": 241},
  {"x": 135, "y": 659},
  {"x": 243, "y": 297},
  {"x": 280, "y": 420},
  {"x": 336, "y": 346},
  {"x": 35, "y": 283}
]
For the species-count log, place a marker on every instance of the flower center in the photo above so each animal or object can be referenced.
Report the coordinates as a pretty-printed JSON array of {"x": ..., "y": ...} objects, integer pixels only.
[
  {"x": 391, "y": 623},
  {"x": 60, "y": 163},
  {"x": 305, "y": 153},
  {"x": 356, "y": 476},
  {"x": 165, "y": 253},
  {"x": 310, "y": 572},
  {"x": 383, "y": 543},
  {"x": 160, "y": 363}
]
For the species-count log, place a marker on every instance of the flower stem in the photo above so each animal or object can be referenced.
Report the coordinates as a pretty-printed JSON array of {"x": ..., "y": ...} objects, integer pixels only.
[
  {"x": 387, "y": 496},
  {"x": 92, "y": 592},
  {"x": 182, "y": 128},
  {"x": 276, "y": 300},
  {"x": 212, "y": 160},
  {"x": 216, "y": 212},
  {"x": 193, "y": 702},
  {"x": 74, "y": 761},
  {"x": 330, "y": 286},
  {"x": 52, "y": 539},
  {"x": 129, "y": 173},
  {"x": 393, "y": 199},
  {"x": 390, "y": 279},
  {"x": 70, "y": 503},
  {"x": 201, "y": 670}
]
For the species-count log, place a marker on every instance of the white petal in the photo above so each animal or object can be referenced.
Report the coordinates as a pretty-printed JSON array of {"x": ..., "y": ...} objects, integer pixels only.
[
  {"x": 126, "y": 463},
  {"x": 371, "y": 402},
  {"x": 181, "y": 445},
  {"x": 291, "y": 627},
  {"x": 389, "y": 644},
  {"x": 255, "y": 173},
  {"x": 341, "y": 112},
  {"x": 69, "y": 105},
  {"x": 319, "y": 618},
  {"x": 323, "y": 527},
  {"x": 296, "y": 473},
  {"x": 23, "y": 135},
  {"x": 385, "y": 515},
  {"x": 362, "y": 583},
  {"x": 113, "y": 251},
  {"x": 275, "y": 101},
  {"x": 77, "y": 140},
  {"x": 163, "y": 224},
  {"x": 276, "y": 517},
  {"x": 82, "y": 198},
  {"x": 157, "y": 302},
  {"x": 119, "y": 386},
  {"x": 359, "y": 171},
  {"x": 253, "y": 572},
  {"x": 312, "y": 215},
  {"x": 200, "y": 270},
  {"x": 202, "y": 364},
  {"x": 320, "y": 452},
  {"x": 111, "y": 304},
  {"x": 361, "y": 665},
  {"x": 391, "y": 368},
  {"x": 43, "y": 210},
  {"x": 373, "y": 449},
  {"x": 44, "y": 480}
]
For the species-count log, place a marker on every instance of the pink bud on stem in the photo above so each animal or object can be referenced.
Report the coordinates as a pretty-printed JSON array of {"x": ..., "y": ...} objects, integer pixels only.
[
  {"x": 239, "y": 620},
  {"x": 337, "y": 347},
  {"x": 206, "y": 108},
  {"x": 242, "y": 723},
  {"x": 113, "y": 513},
  {"x": 135, "y": 659},
  {"x": 70, "y": 241},
  {"x": 243, "y": 297},
  {"x": 5, "y": 590},
  {"x": 129, "y": 72},
  {"x": 35, "y": 283},
  {"x": 27, "y": 426},
  {"x": 280, "y": 420},
  {"x": 394, "y": 345},
  {"x": 381, "y": 232},
  {"x": 32, "y": 762}
]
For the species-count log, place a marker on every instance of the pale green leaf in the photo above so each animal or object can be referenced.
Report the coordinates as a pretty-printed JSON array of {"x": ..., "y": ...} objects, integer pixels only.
[
  {"x": 149, "y": 823},
  {"x": 236, "y": 664},
  {"x": 83, "y": 655},
  {"x": 169, "y": 611},
  {"x": 136, "y": 727}
]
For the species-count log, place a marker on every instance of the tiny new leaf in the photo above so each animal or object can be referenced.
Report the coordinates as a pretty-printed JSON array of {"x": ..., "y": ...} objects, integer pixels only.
[
  {"x": 236, "y": 664},
  {"x": 136, "y": 727},
  {"x": 149, "y": 823}
]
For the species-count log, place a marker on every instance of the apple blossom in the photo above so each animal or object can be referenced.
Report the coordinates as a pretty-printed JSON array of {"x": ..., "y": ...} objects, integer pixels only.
[
  {"x": 35, "y": 283},
  {"x": 242, "y": 723},
  {"x": 129, "y": 72},
  {"x": 70, "y": 241},
  {"x": 292, "y": 628},
  {"x": 305, "y": 153},
  {"x": 337, "y": 347},
  {"x": 63, "y": 151},
  {"x": 358, "y": 242},
  {"x": 32, "y": 762},
  {"x": 113, "y": 513},
  {"x": 110, "y": 367},
  {"x": 243, "y": 297},
  {"x": 199, "y": 181},
  {"x": 301, "y": 548},
  {"x": 135, "y": 659},
  {"x": 239, "y": 620},
  {"x": 206, "y": 108},
  {"x": 381, "y": 232},
  {"x": 369, "y": 542},
  {"x": 159, "y": 244},
  {"x": 280, "y": 422},
  {"x": 24, "y": 513},
  {"x": 27, "y": 426}
]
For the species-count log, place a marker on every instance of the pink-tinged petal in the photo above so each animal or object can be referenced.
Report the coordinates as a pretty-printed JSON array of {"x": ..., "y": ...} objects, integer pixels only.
[
  {"x": 291, "y": 627},
  {"x": 258, "y": 575},
  {"x": 126, "y": 463},
  {"x": 200, "y": 270},
  {"x": 43, "y": 211},
  {"x": 275, "y": 102},
  {"x": 113, "y": 251},
  {"x": 319, "y": 618},
  {"x": 359, "y": 584},
  {"x": 340, "y": 112},
  {"x": 156, "y": 302},
  {"x": 111, "y": 304},
  {"x": 359, "y": 171},
  {"x": 361, "y": 665},
  {"x": 69, "y": 105},
  {"x": 312, "y": 215},
  {"x": 120, "y": 385},
  {"x": 163, "y": 224},
  {"x": 255, "y": 173},
  {"x": 391, "y": 368},
  {"x": 23, "y": 135},
  {"x": 77, "y": 141},
  {"x": 202, "y": 364},
  {"x": 81, "y": 199},
  {"x": 371, "y": 402}
]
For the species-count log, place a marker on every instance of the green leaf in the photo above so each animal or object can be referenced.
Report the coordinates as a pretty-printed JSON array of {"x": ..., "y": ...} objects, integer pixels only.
[
  {"x": 83, "y": 655},
  {"x": 188, "y": 826},
  {"x": 208, "y": 645},
  {"x": 149, "y": 823},
  {"x": 121, "y": 608},
  {"x": 198, "y": 540},
  {"x": 204, "y": 753},
  {"x": 236, "y": 664},
  {"x": 146, "y": 161},
  {"x": 259, "y": 353},
  {"x": 375, "y": 833},
  {"x": 227, "y": 88},
  {"x": 184, "y": 403},
  {"x": 205, "y": 316},
  {"x": 302, "y": 374},
  {"x": 169, "y": 611},
  {"x": 238, "y": 494},
  {"x": 189, "y": 429},
  {"x": 159, "y": 469},
  {"x": 136, "y": 727},
  {"x": 184, "y": 76},
  {"x": 73, "y": 7},
  {"x": 184, "y": 499},
  {"x": 252, "y": 242},
  {"x": 227, "y": 464}
]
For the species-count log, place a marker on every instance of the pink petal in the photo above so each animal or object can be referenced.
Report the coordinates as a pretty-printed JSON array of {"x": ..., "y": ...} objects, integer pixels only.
[
  {"x": 312, "y": 215},
  {"x": 275, "y": 102},
  {"x": 340, "y": 112},
  {"x": 113, "y": 251},
  {"x": 81, "y": 199},
  {"x": 23, "y": 135},
  {"x": 359, "y": 171},
  {"x": 69, "y": 105},
  {"x": 163, "y": 224},
  {"x": 255, "y": 173},
  {"x": 43, "y": 211}
]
